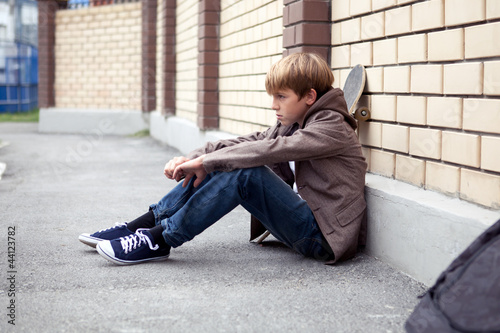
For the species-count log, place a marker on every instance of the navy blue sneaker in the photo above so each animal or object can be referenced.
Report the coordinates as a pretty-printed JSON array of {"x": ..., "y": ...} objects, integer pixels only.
[
  {"x": 120, "y": 230},
  {"x": 134, "y": 249}
]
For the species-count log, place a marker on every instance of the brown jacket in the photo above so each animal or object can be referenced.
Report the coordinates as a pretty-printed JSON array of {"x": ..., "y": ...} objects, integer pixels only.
[{"x": 329, "y": 167}]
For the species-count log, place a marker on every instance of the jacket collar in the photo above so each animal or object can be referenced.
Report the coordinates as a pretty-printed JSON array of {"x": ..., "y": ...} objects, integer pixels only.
[{"x": 333, "y": 101}]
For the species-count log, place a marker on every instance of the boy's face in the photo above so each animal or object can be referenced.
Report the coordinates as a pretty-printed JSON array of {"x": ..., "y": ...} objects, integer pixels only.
[{"x": 289, "y": 108}]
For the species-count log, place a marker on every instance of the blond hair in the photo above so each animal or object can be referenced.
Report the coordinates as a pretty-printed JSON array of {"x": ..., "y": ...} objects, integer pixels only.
[{"x": 300, "y": 72}]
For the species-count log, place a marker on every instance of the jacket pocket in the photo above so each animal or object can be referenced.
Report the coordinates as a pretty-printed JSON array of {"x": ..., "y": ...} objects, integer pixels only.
[{"x": 351, "y": 211}]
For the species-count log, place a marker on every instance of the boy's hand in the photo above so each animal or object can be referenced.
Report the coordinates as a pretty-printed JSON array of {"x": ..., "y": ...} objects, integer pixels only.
[
  {"x": 189, "y": 169},
  {"x": 172, "y": 164}
]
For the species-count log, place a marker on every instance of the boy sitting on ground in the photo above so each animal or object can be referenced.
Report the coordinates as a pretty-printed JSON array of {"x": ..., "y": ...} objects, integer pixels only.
[{"x": 303, "y": 178}]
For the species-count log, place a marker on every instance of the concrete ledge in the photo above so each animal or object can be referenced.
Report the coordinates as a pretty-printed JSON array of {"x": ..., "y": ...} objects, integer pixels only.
[
  {"x": 420, "y": 232},
  {"x": 114, "y": 122},
  {"x": 182, "y": 134}
]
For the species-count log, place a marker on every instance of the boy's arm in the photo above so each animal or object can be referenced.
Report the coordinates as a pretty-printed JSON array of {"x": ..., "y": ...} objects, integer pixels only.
[
  {"x": 326, "y": 134},
  {"x": 210, "y": 147}
]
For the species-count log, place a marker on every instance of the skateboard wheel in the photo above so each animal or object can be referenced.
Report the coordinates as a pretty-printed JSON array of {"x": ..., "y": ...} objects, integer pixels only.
[{"x": 362, "y": 114}]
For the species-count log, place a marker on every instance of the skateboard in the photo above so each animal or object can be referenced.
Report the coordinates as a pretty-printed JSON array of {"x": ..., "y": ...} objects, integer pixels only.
[
  {"x": 353, "y": 88},
  {"x": 264, "y": 236}
]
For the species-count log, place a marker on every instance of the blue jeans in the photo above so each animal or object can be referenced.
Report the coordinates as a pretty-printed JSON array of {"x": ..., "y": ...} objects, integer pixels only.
[{"x": 186, "y": 212}]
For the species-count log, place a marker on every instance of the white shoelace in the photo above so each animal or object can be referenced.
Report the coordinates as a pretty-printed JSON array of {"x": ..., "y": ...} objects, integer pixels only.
[{"x": 132, "y": 242}]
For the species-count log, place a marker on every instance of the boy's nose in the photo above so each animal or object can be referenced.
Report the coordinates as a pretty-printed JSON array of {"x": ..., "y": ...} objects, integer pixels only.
[{"x": 274, "y": 105}]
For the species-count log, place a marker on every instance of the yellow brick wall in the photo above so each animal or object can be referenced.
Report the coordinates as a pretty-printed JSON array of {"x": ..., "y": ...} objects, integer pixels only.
[
  {"x": 433, "y": 86},
  {"x": 187, "y": 59},
  {"x": 98, "y": 58},
  {"x": 250, "y": 41}
]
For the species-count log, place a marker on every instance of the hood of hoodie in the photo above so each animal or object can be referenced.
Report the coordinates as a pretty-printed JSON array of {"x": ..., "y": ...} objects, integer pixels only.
[{"x": 333, "y": 101}]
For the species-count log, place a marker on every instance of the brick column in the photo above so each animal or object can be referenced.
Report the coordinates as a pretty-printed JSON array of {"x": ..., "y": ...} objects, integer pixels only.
[
  {"x": 307, "y": 27},
  {"x": 148, "y": 94},
  {"x": 46, "y": 53},
  {"x": 169, "y": 59},
  {"x": 208, "y": 64}
]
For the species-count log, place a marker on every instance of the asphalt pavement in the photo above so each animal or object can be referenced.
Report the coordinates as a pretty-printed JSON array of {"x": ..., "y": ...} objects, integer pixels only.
[{"x": 57, "y": 186}]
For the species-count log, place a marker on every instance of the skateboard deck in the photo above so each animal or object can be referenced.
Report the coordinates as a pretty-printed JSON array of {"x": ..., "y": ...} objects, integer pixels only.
[{"x": 353, "y": 88}]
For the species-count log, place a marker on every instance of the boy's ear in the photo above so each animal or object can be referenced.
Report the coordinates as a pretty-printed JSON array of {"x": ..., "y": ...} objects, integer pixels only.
[{"x": 310, "y": 97}]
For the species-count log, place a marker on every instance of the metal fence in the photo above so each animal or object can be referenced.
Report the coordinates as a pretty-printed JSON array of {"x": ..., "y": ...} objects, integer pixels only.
[
  {"x": 18, "y": 77},
  {"x": 76, "y": 4}
]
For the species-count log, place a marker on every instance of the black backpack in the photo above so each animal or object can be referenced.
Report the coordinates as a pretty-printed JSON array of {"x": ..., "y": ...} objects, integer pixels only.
[{"x": 466, "y": 296}]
